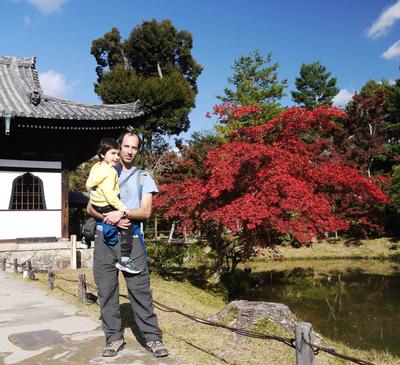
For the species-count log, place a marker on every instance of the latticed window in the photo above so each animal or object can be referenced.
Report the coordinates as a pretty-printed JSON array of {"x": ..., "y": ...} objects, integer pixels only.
[{"x": 27, "y": 193}]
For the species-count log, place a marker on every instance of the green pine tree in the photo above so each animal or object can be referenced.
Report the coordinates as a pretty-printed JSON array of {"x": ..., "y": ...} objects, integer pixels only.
[
  {"x": 155, "y": 65},
  {"x": 315, "y": 86},
  {"x": 255, "y": 82}
]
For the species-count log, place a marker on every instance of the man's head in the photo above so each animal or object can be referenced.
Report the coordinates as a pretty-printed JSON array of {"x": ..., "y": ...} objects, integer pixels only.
[{"x": 130, "y": 145}]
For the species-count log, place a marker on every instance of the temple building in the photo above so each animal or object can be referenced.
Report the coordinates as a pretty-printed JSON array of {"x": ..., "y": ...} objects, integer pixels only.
[{"x": 42, "y": 138}]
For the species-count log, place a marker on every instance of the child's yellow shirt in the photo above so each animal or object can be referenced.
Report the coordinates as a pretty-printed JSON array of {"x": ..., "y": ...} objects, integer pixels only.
[{"x": 102, "y": 185}]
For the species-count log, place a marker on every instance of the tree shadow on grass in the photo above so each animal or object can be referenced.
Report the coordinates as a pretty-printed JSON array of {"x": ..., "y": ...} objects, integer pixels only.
[
  {"x": 352, "y": 242},
  {"x": 197, "y": 276},
  {"x": 203, "y": 350}
]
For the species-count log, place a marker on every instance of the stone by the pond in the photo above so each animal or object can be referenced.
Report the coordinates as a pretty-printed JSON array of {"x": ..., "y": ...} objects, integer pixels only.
[
  {"x": 248, "y": 313},
  {"x": 35, "y": 340}
]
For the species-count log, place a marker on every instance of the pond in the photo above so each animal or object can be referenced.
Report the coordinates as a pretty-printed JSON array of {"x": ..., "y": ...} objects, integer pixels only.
[{"x": 353, "y": 301}]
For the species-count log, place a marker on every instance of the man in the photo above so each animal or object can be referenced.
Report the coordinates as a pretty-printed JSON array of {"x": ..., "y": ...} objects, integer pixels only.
[{"x": 106, "y": 256}]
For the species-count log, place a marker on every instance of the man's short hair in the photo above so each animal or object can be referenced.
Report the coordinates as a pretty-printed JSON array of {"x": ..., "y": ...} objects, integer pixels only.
[{"x": 130, "y": 133}]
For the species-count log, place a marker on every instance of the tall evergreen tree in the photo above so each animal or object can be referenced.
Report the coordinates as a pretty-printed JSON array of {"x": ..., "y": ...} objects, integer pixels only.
[
  {"x": 315, "y": 86},
  {"x": 155, "y": 65},
  {"x": 255, "y": 82}
]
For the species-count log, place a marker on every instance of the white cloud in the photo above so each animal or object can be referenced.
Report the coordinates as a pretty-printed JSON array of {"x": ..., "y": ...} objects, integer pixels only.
[
  {"x": 47, "y": 7},
  {"x": 55, "y": 84},
  {"x": 343, "y": 97},
  {"x": 392, "y": 52},
  {"x": 385, "y": 21}
]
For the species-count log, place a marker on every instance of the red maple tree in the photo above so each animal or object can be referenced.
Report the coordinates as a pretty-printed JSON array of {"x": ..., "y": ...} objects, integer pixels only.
[{"x": 286, "y": 176}]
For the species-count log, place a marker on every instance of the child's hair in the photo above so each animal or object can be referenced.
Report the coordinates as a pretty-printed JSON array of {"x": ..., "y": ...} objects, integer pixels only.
[{"x": 105, "y": 145}]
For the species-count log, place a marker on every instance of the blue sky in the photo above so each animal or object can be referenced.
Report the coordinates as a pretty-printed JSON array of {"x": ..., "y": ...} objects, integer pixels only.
[{"x": 356, "y": 40}]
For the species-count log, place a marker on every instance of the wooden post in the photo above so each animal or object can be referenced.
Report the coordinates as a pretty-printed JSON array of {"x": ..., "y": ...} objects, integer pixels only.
[
  {"x": 185, "y": 236},
  {"x": 171, "y": 233},
  {"x": 304, "y": 352},
  {"x": 3, "y": 264},
  {"x": 64, "y": 204},
  {"x": 15, "y": 265},
  {"x": 29, "y": 270},
  {"x": 155, "y": 228},
  {"x": 50, "y": 277},
  {"x": 82, "y": 288},
  {"x": 73, "y": 252}
]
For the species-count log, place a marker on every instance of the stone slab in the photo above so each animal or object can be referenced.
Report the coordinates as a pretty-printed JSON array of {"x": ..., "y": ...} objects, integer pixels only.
[{"x": 35, "y": 340}]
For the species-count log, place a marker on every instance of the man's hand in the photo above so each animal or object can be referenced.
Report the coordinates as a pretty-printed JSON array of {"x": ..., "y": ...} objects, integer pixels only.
[
  {"x": 124, "y": 223},
  {"x": 113, "y": 217}
]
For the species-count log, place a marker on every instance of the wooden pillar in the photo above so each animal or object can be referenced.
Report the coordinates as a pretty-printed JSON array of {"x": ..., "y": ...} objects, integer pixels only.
[
  {"x": 171, "y": 233},
  {"x": 15, "y": 265},
  {"x": 185, "y": 240},
  {"x": 155, "y": 228},
  {"x": 73, "y": 252},
  {"x": 3, "y": 264},
  {"x": 64, "y": 204},
  {"x": 304, "y": 352}
]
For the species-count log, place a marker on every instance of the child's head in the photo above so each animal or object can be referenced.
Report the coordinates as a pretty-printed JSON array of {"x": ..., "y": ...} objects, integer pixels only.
[{"x": 108, "y": 151}]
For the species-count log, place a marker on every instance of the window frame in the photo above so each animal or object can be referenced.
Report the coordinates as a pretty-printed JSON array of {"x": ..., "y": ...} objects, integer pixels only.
[{"x": 33, "y": 197}]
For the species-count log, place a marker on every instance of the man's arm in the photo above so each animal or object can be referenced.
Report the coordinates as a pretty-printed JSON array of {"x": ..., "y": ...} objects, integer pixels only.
[
  {"x": 121, "y": 223},
  {"x": 142, "y": 213}
]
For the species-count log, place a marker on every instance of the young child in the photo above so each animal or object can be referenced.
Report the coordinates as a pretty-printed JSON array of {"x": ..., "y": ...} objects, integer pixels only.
[{"x": 103, "y": 188}]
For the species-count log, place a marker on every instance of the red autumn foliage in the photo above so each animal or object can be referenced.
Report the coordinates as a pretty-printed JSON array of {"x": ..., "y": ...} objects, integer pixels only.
[
  {"x": 228, "y": 111},
  {"x": 286, "y": 176}
]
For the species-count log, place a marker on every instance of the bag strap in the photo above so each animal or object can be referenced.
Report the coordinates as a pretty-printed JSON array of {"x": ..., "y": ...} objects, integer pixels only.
[
  {"x": 139, "y": 183},
  {"x": 140, "y": 176},
  {"x": 133, "y": 172}
]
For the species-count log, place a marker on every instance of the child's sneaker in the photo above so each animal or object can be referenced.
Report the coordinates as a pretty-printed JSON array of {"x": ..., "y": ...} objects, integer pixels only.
[{"x": 128, "y": 266}]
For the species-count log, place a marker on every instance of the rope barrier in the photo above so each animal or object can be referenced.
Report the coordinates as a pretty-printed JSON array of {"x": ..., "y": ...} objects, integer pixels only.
[
  {"x": 291, "y": 342},
  {"x": 333, "y": 352},
  {"x": 287, "y": 341}
]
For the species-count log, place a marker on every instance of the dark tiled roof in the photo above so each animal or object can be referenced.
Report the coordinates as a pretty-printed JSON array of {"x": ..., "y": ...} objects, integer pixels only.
[{"x": 22, "y": 96}]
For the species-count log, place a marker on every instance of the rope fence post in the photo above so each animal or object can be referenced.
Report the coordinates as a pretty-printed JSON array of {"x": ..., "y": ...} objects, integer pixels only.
[
  {"x": 29, "y": 270},
  {"x": 50, "y": 277},
  {"x": 15, "y": 265},
  {"x": 73, "y": 252},
  {"x": 304, "y": 352},
  {"x": 82, "y": 288},
  {"x": 3, "y": 264}
]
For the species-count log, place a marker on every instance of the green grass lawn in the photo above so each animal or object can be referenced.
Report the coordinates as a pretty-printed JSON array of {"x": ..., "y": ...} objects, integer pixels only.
[{"x": 336, "y": 248}]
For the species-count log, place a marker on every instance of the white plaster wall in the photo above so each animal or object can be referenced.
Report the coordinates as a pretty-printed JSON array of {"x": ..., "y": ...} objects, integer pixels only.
[
  {"x": 37, "y": 223},
  {"x": 51, "y": 186},
  {"x": 21, "y": 224}
]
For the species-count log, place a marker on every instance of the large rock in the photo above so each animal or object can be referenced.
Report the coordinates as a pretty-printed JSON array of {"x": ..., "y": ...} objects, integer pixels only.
[{"x": 246, "y": 314}]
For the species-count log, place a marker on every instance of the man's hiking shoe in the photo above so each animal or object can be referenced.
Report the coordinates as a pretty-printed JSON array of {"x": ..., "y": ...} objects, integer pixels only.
[
  {"x": 128, "y": 266},
  {"x": 112, "y": 348},
  {"x": 157, "y": 348}
]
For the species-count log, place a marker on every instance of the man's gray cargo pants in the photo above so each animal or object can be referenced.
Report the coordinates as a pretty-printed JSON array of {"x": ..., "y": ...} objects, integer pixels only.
[{"x": 106, "y": 278}]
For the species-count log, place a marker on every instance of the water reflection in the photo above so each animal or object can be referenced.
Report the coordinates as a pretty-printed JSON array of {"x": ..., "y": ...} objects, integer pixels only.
[{"x": 347, "y": 301}]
